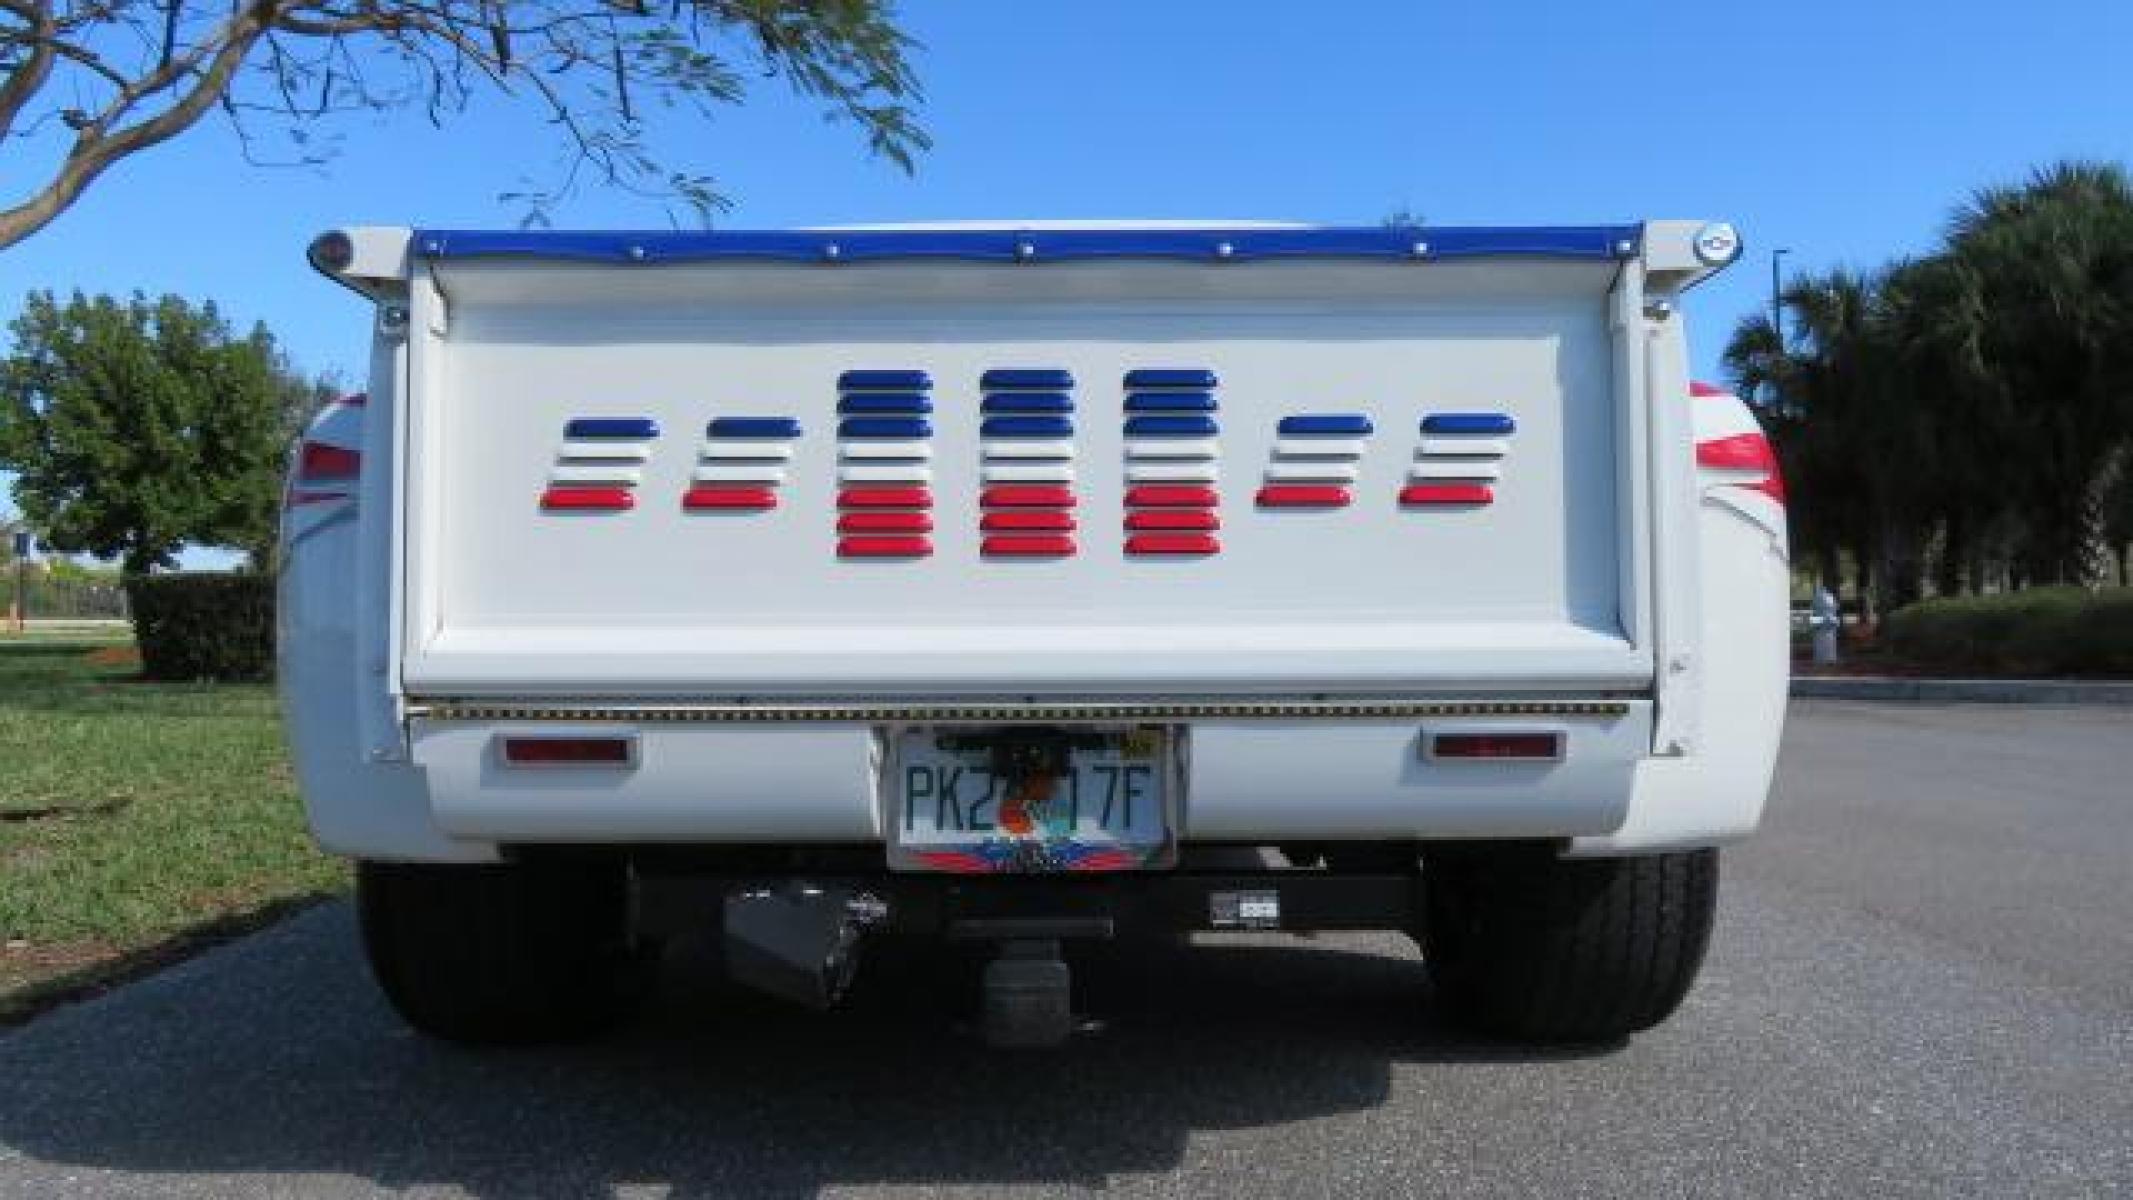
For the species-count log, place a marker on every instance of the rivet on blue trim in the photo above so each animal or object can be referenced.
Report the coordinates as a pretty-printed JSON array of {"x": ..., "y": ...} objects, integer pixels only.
[{"x": 1588, "y": 242}]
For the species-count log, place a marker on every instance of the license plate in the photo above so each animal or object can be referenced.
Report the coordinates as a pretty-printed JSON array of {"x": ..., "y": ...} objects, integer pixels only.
[{"x": 987, "y": 801}]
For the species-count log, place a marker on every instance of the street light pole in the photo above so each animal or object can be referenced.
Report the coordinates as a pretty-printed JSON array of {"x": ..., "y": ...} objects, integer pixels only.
[{"x": 1777, "y": 294}]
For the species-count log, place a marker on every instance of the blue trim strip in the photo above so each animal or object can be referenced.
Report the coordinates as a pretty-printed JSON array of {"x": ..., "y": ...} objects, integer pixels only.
[
  {"x": 611, "y": 427},
  {"x": 1170, "y": 402},
  {"x": 1481, "y": 423},
  {"x": 752, "y": 427},
  {"x": 1170, "y": 377},
  {"x": 1027, "y": 427},
  {"x": 1332, "y": 424},
  {"x": 1592, "y": 242},
  {"x": 885, "y": 402},
  {"x": 1171, "y": 427},
  {"x": 884, "y": 427},
  {"x": 884, "y": 381},
  {"x": 1029, "y": 402},
  {"x": 1033, "y": 379}
]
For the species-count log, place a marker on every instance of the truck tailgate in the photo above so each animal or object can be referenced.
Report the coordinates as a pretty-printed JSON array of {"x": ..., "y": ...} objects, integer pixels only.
[{"x": 738, "y": 475}]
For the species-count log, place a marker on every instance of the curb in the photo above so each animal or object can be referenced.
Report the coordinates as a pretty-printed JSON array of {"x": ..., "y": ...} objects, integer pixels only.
[{"x": 1965, "y": 691}]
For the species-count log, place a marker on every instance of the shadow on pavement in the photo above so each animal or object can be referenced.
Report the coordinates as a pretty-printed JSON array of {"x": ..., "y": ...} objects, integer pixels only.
[{"x": 276, "y": 1056}]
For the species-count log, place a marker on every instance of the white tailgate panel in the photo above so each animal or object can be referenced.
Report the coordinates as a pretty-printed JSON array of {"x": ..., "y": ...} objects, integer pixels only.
[{"x": 504, "y": 597}]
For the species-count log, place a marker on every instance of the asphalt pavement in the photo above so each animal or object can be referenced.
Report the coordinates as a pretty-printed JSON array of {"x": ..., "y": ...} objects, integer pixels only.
[{"x": 1921, "y": 984}]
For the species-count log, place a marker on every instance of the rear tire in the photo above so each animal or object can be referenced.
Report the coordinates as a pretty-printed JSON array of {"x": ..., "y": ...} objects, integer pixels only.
[
  {"x": 501, "y": 954},
  {"x": 1524, "y": 944}
]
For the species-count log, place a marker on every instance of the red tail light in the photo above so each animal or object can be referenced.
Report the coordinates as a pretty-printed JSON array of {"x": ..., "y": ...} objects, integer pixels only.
[
  {"x": 1528, "y": 747},
  {"x": 569, "y": 751},
  {"x": 318, "y": 462},
  {"x": 1745, "y": 452},
  {"x": 1741, "y": 452}
]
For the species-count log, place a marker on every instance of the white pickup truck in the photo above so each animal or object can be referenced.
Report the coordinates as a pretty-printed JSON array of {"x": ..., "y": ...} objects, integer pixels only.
[{"x": 1023, "y": 584}]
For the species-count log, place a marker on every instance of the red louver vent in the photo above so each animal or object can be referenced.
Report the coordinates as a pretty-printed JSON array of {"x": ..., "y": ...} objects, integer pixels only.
[
  {"x": 884, "y": 522},
  {"x": 1173, "y": 543},
  {"x": 1044, "y": 545},
  {"x": 704, "y": 497},
  {"x": 1448, "y": 494},
  {"x": 1303, "y": 495},
  {"x": 587, "y": 499},
  {"x": 884, "y": 547}
]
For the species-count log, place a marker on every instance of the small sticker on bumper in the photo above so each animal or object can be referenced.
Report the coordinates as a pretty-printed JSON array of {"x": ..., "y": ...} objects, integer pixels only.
[{"x": 1244, "y": 910}]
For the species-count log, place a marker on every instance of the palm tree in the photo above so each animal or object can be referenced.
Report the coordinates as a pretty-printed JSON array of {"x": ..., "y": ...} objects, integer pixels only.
[
  {"x": 1979, "y": 399},
  {"x": 1816, "y": 394},
  {"x": 2044, "y": 340},
  {"x": 1945, "y": 430}
]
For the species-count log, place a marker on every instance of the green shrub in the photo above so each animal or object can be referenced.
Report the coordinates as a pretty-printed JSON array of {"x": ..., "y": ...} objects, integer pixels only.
[
  {"x": 2043, "y": 631},
  {"x": 204, "y": 625}
]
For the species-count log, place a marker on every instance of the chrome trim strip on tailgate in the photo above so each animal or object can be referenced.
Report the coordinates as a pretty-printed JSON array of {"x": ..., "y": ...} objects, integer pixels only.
[{"x": 1003, "y": 711}]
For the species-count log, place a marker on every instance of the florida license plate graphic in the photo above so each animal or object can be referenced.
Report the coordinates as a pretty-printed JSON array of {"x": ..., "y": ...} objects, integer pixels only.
[{"x": 1021, "y": 801}]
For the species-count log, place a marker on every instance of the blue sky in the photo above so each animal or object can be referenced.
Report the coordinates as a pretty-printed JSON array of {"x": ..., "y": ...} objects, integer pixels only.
[{"x": 1843, "y": 129}]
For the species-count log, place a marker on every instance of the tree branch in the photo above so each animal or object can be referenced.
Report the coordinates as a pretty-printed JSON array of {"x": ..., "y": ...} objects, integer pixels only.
[
  {"x": 29, "y": 75},
  {"x": 138, "y": 72},
  {"x": 95, "y": 150}
]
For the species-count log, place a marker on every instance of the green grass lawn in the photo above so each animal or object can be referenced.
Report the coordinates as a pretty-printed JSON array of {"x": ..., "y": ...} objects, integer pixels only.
[{"x": 135, "y": 818}]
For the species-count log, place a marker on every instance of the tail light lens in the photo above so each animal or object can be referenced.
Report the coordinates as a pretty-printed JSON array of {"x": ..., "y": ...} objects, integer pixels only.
[
  {"x": 324, "y": 472},
  {"x": 1744, "y": 452},
  {"x": 318, "y": 462},
  {"x": 1517, "y": 746},
  {"x": 569, "y": 751}
]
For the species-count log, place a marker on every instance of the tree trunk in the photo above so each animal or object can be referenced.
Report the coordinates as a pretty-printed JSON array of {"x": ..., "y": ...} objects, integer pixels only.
[
  {"x": 1902, "y": 572},
  {"x": 1830, "y": 564},
  {"x": 2090, "y": 547},
  {"x": 1863, "y": 583},
  {"x": 1948, "y": 571}
]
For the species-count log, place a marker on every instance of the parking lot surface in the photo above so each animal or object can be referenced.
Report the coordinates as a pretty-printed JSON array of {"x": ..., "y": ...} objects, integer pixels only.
[{"x": 1921, "y": 984}]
